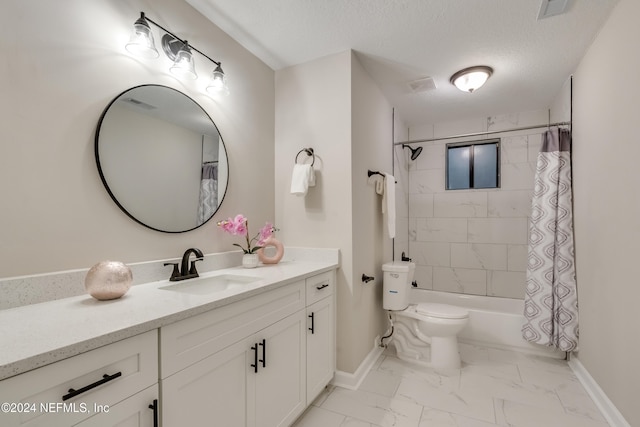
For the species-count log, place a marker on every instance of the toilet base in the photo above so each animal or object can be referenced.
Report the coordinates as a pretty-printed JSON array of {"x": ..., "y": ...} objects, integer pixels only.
[{"x": 439, "y": 353}]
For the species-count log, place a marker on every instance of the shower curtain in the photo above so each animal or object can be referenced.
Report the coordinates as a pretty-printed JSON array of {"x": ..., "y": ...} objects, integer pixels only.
[
  {"x": 551, "y": 299},
  {"x": 208, "y": 192}
]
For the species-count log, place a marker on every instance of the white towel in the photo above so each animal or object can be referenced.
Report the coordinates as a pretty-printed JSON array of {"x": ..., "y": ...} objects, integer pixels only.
[
  {"x": 389, "y": 203},
  {"x": 380, "y": 186},
  {"x": 312, "y": 177},
  {"x": 300, "y": 179}
]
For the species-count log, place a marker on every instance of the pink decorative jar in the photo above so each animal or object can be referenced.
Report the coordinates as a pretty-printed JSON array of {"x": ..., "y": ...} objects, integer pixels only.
[{"x": 271, "y": 241}]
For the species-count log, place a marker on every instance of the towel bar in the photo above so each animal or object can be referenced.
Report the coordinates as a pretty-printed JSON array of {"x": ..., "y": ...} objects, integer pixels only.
[
  {"x": 370, "y": 172},
  {"x": 309, "y": 152}
]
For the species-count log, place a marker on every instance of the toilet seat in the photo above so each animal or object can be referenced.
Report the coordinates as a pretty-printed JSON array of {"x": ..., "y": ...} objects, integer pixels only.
[{"x": 442, "y": 311}]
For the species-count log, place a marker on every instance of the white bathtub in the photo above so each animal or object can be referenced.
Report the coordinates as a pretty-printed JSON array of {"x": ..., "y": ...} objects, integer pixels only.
[{"x": 493, "y": 321}]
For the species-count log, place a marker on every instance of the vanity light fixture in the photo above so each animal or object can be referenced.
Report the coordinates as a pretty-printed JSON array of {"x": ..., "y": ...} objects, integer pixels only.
[
  {"x": 218, "y": 82},
  {"x": 141, "y": 42},
  {"x": 184, "y": 65},
  {"x": 472, "y": 78},
  {"x": 179, "y": 51}
]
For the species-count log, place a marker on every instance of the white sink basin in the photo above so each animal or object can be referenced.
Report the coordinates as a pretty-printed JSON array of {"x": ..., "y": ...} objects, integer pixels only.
[{"x": 209, "y": 285}]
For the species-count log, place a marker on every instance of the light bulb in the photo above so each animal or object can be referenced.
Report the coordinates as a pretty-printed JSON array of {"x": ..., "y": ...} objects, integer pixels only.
[{"x": 141, "y": 42}]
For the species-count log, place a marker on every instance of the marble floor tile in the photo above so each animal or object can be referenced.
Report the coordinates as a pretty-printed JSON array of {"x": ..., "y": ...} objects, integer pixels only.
[
  {"x": 381, "y": 382},
  {"x": 494, "y": 387},
  {"x": 373, "y": 408},
  {"x": 504, "y": 371},
  {"x": 514, "y": 390},
  {"x": 576, "y": 401},
  {"x": 318, "y": 417},
  {"x": 471, "y": 404},
  {"x": 437, "y": 377},
  {"x": 472, "y": 354},
  {"x": 436, "y": 418},
  {"x": 514, "y": 414}
]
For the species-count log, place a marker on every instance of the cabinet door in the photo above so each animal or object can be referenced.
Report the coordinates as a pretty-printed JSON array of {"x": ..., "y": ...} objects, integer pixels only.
[
  {"x": 131, "y": 412},
  {"x": 99, "y": 378},
  {"x": 278, "y": 390},
  {"x": 210, "y": 392},
  {"x": 320, "y": 347}
]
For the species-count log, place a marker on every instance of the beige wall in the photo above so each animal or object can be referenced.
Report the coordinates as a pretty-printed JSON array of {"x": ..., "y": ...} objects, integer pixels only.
[
  {"x": 607, "y": 208},
  {"x": 332, "y": 105},
  {"x": 63, "y": 63},
  {"x": 371, "y": 148}
]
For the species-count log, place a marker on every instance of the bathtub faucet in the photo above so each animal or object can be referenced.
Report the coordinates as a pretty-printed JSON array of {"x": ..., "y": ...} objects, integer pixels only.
[{"x": 366, "y": 279}]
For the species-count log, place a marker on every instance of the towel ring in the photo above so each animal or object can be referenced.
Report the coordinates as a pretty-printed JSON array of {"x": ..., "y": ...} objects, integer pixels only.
[{"x": 309, "y": 152}]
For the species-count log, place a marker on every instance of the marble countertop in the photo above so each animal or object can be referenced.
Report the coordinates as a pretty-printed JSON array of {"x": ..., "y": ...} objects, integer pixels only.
[{"x": 39, "y": 334}]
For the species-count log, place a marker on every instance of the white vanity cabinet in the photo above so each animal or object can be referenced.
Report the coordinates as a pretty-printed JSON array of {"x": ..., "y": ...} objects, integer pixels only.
[
  {"x": 277, "y": 388},
  {"x": 247, "y": 364},
  {"x": 321, "y": 348},
  {"x": 121, "y": 377},
  {"x": 258, "y": 381},
  {"x": 250, "y": 360}
]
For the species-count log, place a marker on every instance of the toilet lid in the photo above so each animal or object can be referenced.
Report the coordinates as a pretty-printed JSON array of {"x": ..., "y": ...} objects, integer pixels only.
[{"x": 443, "y": 311}]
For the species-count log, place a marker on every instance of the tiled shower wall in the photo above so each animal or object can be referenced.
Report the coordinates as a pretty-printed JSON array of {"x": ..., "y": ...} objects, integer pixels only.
[{"x": 468, "y": 241}]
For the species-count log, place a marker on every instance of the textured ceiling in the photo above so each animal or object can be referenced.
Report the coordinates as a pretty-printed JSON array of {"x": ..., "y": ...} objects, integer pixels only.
[{"x": 398, "y": 41}]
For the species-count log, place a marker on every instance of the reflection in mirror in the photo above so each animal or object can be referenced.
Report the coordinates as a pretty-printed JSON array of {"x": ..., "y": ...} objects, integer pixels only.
[{"x": 161, "y": 158}]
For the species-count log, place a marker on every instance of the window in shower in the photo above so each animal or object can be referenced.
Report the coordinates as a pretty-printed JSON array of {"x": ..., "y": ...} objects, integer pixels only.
[{"x": 473, "y": 164}]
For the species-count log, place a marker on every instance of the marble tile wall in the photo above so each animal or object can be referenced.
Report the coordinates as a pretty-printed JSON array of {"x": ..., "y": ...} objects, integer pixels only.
[{"x": 469, "y": 241}]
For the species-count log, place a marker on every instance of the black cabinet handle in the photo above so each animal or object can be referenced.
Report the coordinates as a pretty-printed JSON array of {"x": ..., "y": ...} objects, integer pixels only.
[
  {"x": 154, "y": 407},
  {"x": 312, "y": 328},
  {"x": 264, "y": 349},
  {"x": 105, "y": 379},
  {"x": 326, "y": 285},
  {"x": 254, "y": 365}
]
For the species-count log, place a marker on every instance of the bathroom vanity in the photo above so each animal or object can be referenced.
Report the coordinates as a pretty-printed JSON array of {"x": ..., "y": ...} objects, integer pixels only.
[{"x": 243, "y": 347}]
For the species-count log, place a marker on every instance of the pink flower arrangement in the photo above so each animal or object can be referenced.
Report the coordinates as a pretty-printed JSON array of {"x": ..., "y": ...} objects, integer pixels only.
[{"x": 239, "y": 226}]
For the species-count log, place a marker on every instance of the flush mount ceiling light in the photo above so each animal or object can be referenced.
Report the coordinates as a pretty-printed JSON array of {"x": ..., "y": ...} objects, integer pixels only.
[
  {"x": 179, "y": 51},
  {"x": 472, "y": 78}
]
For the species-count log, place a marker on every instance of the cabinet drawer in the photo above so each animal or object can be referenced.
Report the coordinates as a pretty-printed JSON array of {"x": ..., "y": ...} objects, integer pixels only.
[
  {"x": 136, "y": 410},
  {"x": 190, "y": 340},
  {"x": 100, "y": 377},
  {"x": 320, "y": 286}
]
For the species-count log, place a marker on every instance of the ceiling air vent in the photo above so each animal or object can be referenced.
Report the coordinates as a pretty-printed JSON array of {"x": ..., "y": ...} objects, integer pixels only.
[
  {"x": 138, "y": 103},
  {"x": 552, "y": 7},
  {"x": 422, "y": 85}
]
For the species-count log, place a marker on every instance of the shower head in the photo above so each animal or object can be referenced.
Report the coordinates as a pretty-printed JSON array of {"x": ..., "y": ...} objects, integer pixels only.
[{"x": 415, "y": 152}]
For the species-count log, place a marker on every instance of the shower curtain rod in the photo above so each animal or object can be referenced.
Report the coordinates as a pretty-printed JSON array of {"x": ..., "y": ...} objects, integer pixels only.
[{"x": 415, "y": 141}]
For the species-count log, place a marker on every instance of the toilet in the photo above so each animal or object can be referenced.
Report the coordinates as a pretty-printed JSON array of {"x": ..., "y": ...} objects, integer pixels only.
[{"x": 426, "y": 333}]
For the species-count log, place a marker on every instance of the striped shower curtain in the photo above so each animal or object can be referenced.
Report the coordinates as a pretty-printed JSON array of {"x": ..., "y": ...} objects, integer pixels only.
[
  {"x": 551, "y": 299},
  {"x": 208, "y": 192}
]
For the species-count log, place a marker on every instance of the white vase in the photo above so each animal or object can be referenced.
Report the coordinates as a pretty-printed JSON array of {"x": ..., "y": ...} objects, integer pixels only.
[{"x": 250, "y": 260}]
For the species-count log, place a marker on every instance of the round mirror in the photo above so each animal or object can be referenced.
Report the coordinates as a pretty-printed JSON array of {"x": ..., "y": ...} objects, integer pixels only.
[{"x": 161, "y": 158}]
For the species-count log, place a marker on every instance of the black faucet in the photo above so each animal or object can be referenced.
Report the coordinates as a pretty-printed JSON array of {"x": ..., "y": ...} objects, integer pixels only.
[{"x": 186, "y": 272}]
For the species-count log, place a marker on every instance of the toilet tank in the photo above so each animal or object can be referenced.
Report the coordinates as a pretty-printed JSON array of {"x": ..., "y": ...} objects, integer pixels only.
[{"x": 396, "y": 282}]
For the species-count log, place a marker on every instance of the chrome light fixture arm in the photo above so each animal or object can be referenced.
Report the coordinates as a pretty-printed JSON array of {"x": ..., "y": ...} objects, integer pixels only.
[{"x": 169, "y": 44}]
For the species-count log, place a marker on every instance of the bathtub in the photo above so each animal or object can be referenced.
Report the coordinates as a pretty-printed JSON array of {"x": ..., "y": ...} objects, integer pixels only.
[{"x": 494, "y": 322}]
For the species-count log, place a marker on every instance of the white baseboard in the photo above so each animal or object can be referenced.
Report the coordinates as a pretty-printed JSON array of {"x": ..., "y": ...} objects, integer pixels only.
[
  {"x": 352, "y": 381},
  {"x": 606, "y": 406}
]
